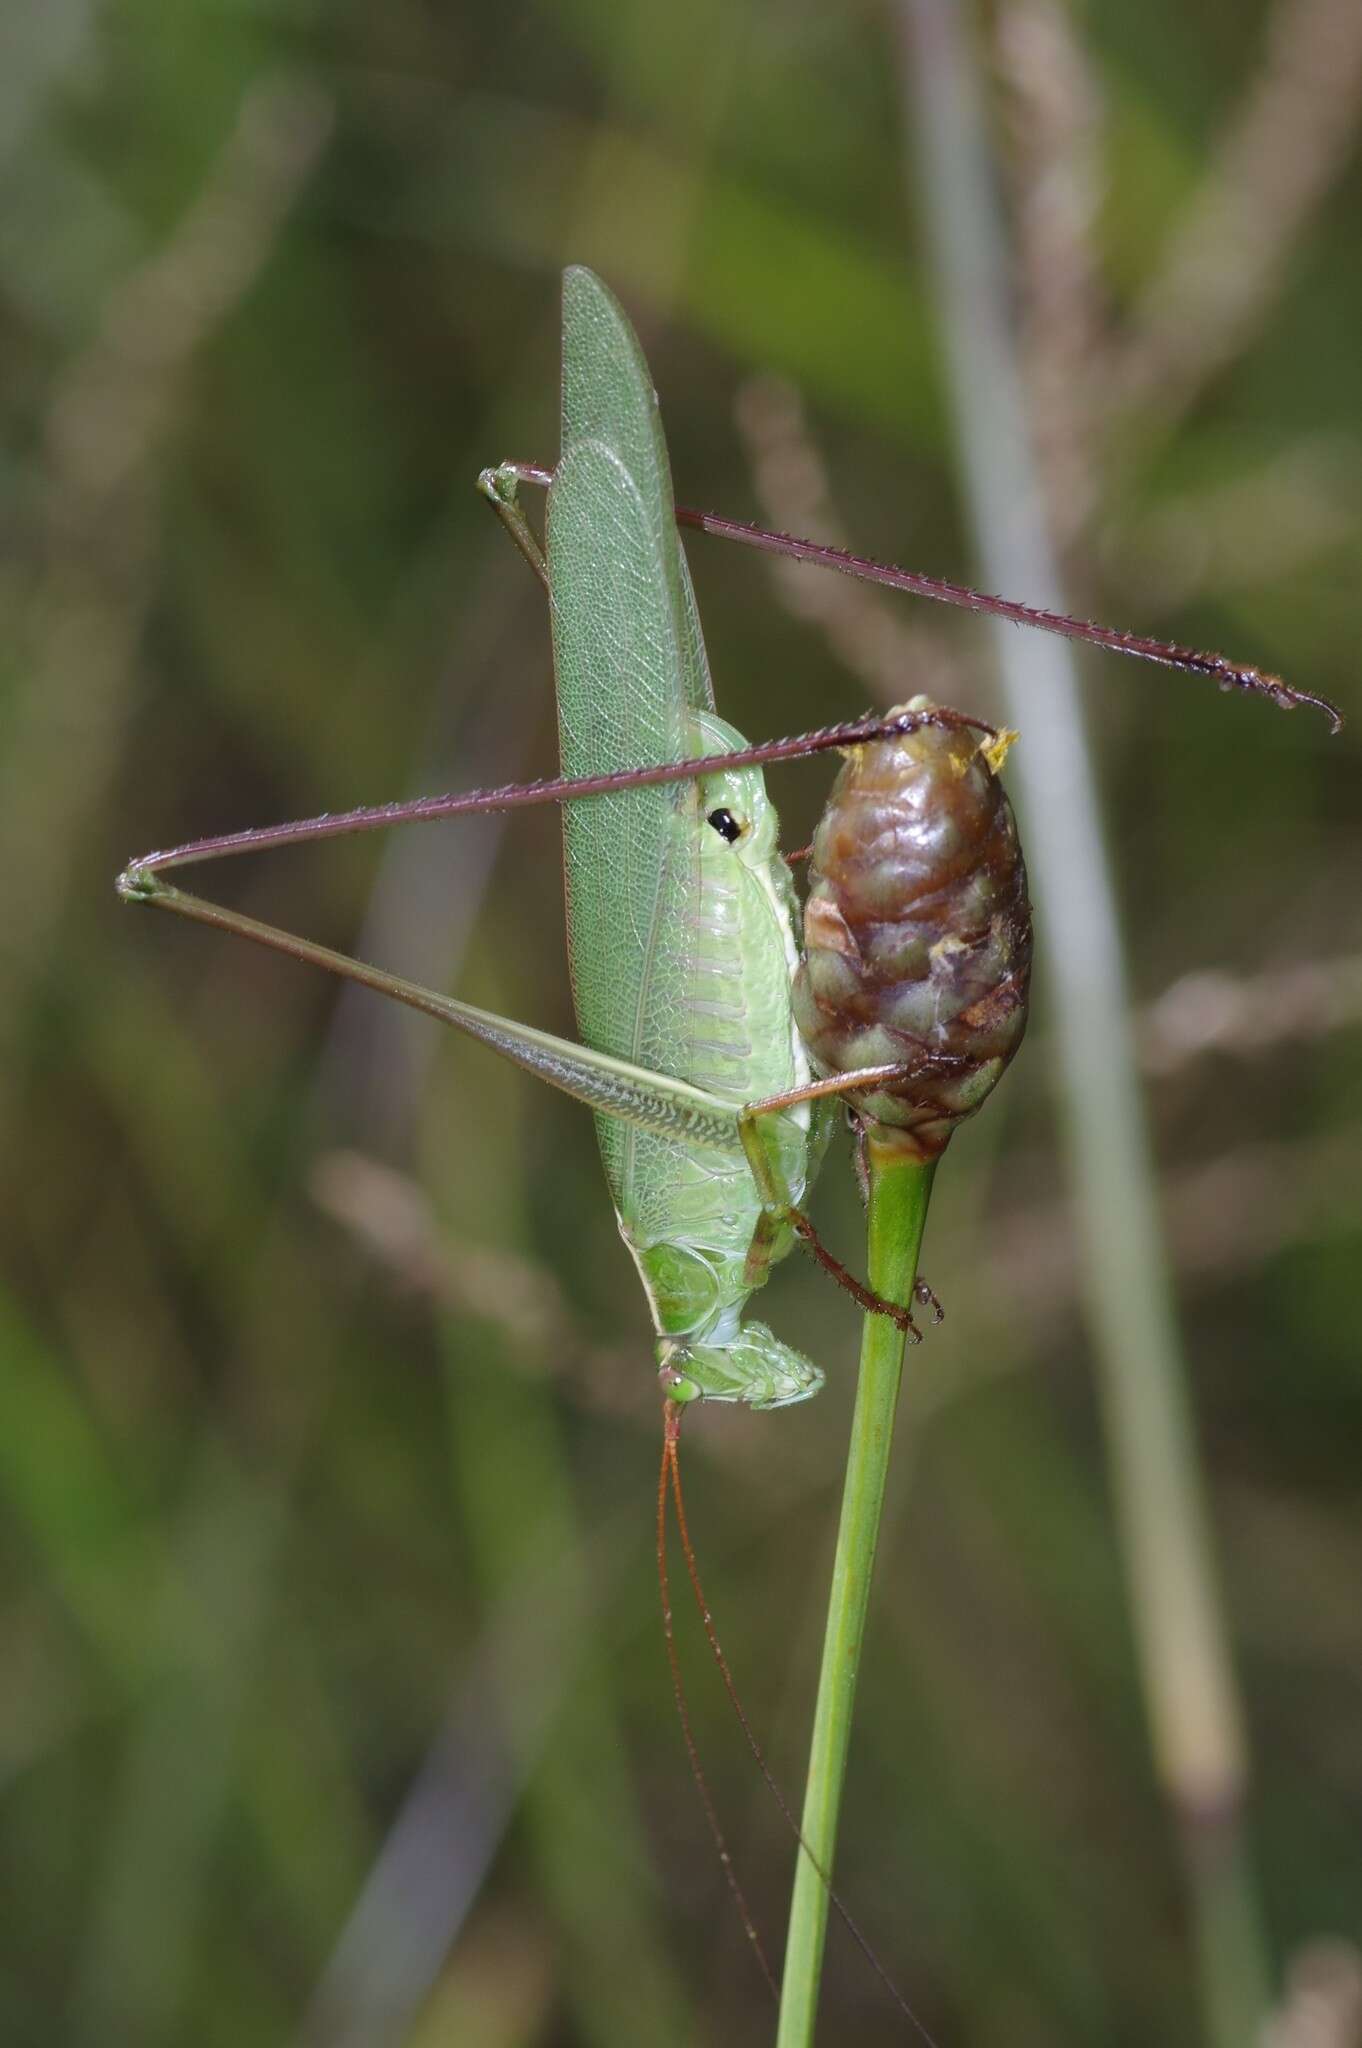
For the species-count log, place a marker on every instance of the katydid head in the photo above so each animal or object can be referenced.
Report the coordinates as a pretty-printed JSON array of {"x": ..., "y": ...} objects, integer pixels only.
[{"x": 755, "y": 1368}]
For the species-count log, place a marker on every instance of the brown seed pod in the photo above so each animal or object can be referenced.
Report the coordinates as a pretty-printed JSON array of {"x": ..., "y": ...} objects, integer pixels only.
[{"x": 917, "y": 931}]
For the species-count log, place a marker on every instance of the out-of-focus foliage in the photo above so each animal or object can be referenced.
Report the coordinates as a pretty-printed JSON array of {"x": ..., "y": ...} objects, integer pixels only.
[{"x": 334, "y": 1707}]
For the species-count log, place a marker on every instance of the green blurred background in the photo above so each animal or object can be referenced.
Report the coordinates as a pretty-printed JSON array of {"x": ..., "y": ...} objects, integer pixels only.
[{"x": 335, "y": 1708}]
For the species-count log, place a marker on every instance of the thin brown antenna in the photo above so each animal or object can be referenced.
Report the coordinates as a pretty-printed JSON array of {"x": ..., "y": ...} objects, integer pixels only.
[
  {"x": 670, "y": 1409},
  {"x": 671, "y": 1463}
]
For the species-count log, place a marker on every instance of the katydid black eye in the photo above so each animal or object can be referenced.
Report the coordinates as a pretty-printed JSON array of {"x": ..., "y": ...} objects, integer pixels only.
[{"x": 725, "y": 824}]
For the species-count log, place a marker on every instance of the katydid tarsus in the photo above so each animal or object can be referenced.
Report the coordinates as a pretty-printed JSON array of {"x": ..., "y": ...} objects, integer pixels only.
[{"x": 712, "y": 1114}]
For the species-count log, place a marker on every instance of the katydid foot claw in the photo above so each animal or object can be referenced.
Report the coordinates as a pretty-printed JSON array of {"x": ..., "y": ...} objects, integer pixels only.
[{"x": 925, "y": 1298}]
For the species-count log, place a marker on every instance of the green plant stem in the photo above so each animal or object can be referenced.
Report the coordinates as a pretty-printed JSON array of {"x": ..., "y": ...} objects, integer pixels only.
[{"x": 899, "y": 1191}]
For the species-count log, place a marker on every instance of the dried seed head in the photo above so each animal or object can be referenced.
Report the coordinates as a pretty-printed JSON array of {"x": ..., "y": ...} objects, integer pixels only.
[{"x": 917, "y": 931}]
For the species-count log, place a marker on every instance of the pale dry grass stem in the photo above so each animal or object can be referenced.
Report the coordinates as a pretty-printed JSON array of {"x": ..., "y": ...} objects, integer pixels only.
[
  {"x": 1321, "y": 2006},
  {"x": 1054, "y": 117},
  {"x": 109, "y": 428},
  {"x": 1231, "y": 253},
  {"x": 1176, "y": 1611},
  {"x": 867, "y": 635}
]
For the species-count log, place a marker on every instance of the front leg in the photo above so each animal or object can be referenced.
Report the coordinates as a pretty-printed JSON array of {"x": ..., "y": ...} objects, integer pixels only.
[
  {"x": 779, "y": 1211},
  {"x": 923, "y": 1294}
]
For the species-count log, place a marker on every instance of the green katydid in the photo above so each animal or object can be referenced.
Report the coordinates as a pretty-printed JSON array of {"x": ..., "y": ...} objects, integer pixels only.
[{"x": 680, "y": 909}]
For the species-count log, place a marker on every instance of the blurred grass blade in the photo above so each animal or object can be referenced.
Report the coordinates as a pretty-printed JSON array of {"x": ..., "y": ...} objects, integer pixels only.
[{"x": 1190, "y": 1689}]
